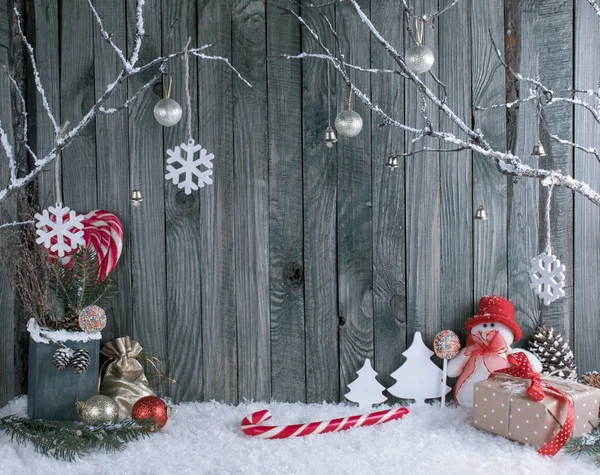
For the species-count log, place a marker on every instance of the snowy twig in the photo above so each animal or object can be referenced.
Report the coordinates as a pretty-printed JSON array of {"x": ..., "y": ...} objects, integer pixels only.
[
  {"x": 36, "y": 75},
  {"x": 16, "y": 223},
  {"x": 595, "y": 6},
  {"x": 129, "y": 69}
]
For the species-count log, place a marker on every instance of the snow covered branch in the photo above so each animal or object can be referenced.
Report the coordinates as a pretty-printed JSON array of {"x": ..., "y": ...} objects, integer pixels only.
[
  {"x": 129, "y": 69},
  {"x": 473, "y": 139},
  {"x": 595, "y": 6}
]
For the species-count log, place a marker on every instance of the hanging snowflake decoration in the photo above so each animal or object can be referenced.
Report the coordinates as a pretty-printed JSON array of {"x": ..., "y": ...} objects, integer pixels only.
[
  {"x": 60, "y": 229},
  {"x": 187, "y": 172},
  {"x": 547, "y": 277}
]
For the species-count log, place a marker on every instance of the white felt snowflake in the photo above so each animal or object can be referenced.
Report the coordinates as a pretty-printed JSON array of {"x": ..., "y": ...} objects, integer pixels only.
[
  {"x": 547, "y": 277},
  {"x": 190, "y": 174},
  {"x": 59, "y": 229}
]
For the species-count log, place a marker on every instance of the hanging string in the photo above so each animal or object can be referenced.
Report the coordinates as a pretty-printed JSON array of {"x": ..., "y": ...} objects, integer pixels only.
[
  {"x": 167, "y": 92},
  {"x": 328, "y": 97},
  {"x": 419, "y": 28},
  {"x": 57, "y": 166},
  {"x": 188, "y": 99},
  {"x": 552, "y": 177},
  {"x": 350, "y": 98}
]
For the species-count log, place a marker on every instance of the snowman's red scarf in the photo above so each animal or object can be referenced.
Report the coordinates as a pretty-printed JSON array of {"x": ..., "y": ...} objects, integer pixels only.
[{"x": 489, "y": 349}]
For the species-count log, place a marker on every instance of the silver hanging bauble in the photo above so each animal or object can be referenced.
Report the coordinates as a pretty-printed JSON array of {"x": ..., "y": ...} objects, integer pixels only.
[
  {"x": 330, "y": 137},
  {"x": 167, "y": 112},
  {"x": 481, "y": 214},
  {"x": 538, "y": 150},
  {"x": 392, "y": 162},
  {"x": 136, "y": 197},
  {"x": 348, "y": 123},
  {"x": 419, "y": 59},
  {"x": 98, "y": 410}
]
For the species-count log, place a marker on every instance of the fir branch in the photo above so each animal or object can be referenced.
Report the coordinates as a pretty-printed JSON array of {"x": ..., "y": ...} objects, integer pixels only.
[
  {"x": 588, "y": 444},
  {"x": 67, "y": 440}
]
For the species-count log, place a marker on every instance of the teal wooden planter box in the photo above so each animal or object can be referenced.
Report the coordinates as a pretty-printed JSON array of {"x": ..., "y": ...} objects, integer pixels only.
[{"x": 52, "y": 393}]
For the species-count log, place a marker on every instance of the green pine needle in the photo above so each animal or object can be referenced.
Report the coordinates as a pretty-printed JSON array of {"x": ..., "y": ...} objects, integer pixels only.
[
  {"x": 588, "y": 444},
  {"x": 59, "y": 439}
]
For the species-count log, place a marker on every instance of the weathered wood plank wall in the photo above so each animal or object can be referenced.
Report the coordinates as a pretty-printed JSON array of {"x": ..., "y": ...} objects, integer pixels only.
[{"x": 300, "y": 261}]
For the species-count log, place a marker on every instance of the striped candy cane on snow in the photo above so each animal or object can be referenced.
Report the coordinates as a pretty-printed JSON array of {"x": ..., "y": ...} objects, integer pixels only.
[{"x": 251, "y": 425}]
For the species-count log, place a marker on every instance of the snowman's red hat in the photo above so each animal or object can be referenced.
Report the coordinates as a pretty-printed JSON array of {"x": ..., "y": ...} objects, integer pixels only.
[{"x": 493, "y": 308}]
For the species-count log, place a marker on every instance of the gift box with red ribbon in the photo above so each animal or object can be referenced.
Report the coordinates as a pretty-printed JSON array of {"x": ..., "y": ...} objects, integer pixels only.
[{"x": 543, "y": 412}]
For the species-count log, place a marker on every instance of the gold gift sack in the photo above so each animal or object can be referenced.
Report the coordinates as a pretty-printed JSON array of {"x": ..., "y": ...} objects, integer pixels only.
[{"x": 124, "y": 379}]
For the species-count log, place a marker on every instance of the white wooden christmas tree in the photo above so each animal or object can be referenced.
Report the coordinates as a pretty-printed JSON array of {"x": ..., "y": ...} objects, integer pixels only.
[
  {"x": 366, "y": 390},
  {"x": 418, "y": 378}
]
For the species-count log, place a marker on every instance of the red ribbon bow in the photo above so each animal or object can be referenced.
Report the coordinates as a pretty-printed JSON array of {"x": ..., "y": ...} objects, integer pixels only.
[
  {"x": 489, "y": 349},
  {"x": 538, "y": 389}
]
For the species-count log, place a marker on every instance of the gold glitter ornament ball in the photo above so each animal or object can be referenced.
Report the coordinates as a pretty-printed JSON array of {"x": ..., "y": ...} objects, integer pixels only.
[
  {"x": 167, "y": 112},
  {"x": 348, "y": 123},
  {"x": 419, "y": 59},
  {"x": 98, "y": 410}
]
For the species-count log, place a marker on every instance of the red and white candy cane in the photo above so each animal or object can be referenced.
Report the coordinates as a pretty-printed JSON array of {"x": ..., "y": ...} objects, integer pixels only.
[{"x": 251, "y": 425}]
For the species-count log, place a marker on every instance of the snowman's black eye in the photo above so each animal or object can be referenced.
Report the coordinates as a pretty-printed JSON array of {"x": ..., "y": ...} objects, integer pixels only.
[
  {"x": 492, "y": 325},
  {"x": 485, "y": 325}
]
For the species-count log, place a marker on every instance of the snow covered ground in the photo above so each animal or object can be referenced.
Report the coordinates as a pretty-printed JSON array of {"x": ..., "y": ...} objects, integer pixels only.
[{"x": 205, "y": 438}]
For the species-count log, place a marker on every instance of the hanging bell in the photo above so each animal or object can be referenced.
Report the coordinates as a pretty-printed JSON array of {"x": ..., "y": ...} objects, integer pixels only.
[
  {"x": 136, "y": 197},
  {"x": 392, "y": 162},
  {"x": 481, "y": 214},
  {"x": 538, "y": 150},
  {"x": 330, "y": 137}
]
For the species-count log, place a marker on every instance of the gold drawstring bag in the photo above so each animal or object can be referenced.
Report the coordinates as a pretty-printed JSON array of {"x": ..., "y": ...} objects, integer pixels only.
[{"x": 124, "y": 380}]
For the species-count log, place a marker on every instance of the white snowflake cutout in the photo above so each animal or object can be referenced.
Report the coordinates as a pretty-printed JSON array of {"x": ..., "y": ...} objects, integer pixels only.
[
  {"x": 60, "y": 229},
  {"x": 188, "y": 169},
  {"x": 547, "y": 277}
]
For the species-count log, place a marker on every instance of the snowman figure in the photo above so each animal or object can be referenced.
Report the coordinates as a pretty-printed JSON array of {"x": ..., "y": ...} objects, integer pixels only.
[{"x": 492, "y": 332}]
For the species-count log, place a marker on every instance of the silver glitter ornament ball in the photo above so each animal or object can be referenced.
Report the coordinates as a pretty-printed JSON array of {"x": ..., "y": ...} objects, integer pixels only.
[
  {"x": 98, "y": 410},
  {"x": 348, "y": 123},
  {"x": 167, "y": 112},
  {"x": 419, "y": 59}
]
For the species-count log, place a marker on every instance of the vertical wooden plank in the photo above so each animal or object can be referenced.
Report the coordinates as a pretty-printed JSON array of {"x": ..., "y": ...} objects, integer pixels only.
[
  {"x": 288, "y": 367},
  {"x": 587, "y": 218},
  {"x": 389, "y": 284},
  {"x": 555, "y": 58},
  {"x": 521, "y": 18},
  {"x": 9, "y": 387},
  {"x": 43, "y": 31},
  {"x": 490, "y": 253},
  {"x": 423, "y": 270},
  {"x": 251, "y": 200},
  {"x": 182, "y": 221},
  {"x": 112, "y": 150},
  {"x": 320, "y": 240},
  {"x": 354, "y": 226},
  {"x": 456, "y": 176},
  {"x": 77, "y": 95},
  {"x": 146, "y": 155},
  {"x": 215, "y": 99}
]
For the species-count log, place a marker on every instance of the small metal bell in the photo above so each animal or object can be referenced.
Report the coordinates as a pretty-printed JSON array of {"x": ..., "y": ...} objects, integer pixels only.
[
  {"x": 392, "y": 162},
  {"x": 330, "y": 137},
  {"x": 538, "y": 150},
  {"x": 481, "y": 214},
  {"x": 136, "y": 197}
]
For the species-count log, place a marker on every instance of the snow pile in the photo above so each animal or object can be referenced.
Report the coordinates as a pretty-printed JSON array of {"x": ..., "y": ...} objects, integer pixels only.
[
  {"x": 41, "y": 335},
  {"x": 205, "y": 438}
]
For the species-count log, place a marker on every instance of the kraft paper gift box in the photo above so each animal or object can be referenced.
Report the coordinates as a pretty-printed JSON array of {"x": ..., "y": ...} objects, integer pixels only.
[{"x": 500, "y": 406}]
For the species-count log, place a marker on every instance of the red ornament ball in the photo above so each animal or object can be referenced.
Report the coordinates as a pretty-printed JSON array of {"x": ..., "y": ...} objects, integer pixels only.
[{"x": 151, "y": 407}]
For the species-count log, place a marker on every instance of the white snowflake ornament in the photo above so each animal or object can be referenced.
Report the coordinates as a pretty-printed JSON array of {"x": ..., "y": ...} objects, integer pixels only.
[
  {"x": 547, "y": 277},
  {"x": 187, "y": 172},
  {"x": 60, "y": 229}
]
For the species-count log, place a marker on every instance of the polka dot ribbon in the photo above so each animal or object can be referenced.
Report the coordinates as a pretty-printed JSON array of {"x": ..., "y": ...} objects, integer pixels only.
[{"x": 521, "y": 368}]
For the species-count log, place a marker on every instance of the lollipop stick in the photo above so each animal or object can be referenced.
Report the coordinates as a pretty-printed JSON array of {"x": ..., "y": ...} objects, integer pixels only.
[{"x": 444, "y": 376}]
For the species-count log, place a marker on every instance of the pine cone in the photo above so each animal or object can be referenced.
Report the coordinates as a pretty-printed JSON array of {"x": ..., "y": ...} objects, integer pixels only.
[
  {"x": 81, "y": 360},
  {"x": 554, "y": 353},
  {"x": 591, "y": 379},
  {"x": 62, "y": 357}
]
